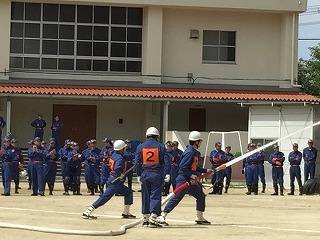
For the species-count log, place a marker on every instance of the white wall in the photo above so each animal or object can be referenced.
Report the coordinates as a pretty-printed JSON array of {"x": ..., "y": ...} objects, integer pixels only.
[{"x": 267, "y": 122}]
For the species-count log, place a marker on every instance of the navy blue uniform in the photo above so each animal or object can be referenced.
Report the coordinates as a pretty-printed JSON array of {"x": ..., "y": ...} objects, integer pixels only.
[
  {"x": 175, "y": 161},
  {"x": 262, "y": 175},
  {"x": 105, "y": 154},
  {"x": 228, "y": 171},
  {"x": 92, "y": 167},
  {"x": 17, "y": 160},
  {"x": 39, "y": 124},
  {"x": 2, "y": 125},
  {"x": 117, "y": 168},
  {"x": 309, "y": 156},
  {"x": 50, "y": 167},
  {"x": 74, "y": 170},
  {"x": 252, "y": 172},
  {"x": 63, "y": 157},
  {"x": 7, "y": 167},
  {"x": 129, "y": 158},
  {"x": 276, "y": 160},
  {"x": 217, "y": 158},
  {"x": 151, "y": 164},
  {"x": 37, "y": 158},
  {"x": 189, "y": 166},
  {"x": 56, "y": 129},
  {"x": 295, "y": 158}
]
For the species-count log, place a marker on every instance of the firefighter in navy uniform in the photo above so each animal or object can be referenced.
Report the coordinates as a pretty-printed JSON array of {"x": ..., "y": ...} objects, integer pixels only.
[
  {"x": 63, "y": 156},
  {"x": 262, "y": 176},
  {"x": 50, "y": 166},
  {"x": 189, "y": 170},
  {"x": 228, "y": 171},
  {"x": 39, "y": 124},
  {"x": 37, "y": 156},
  {"x": 17, "y": 164},
  {"x": 252, "y": 171},
  {"x": 309, "y": 156},
  {"x": 92, "y": 166},
  {"x": 74, "y": 170},
  {"x": 7, "y": 154},
  {"x": 151, "y": 164},
  {"x": 295, "y": 158},
  {"x": 105, "y": 154},
  {"x": 276, "y": 159},
  {"x": 129, "y": 158},
  {"x": 166, "y": 187},
  {"x": 217, "y": 158},
  {"x": 176, "y": 153},
  {"x": 115, "y": 183}
]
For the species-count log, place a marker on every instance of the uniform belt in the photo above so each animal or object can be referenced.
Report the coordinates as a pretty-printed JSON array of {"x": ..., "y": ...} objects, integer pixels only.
[
  {"x": 294, "y": 165},
  {"x": 276, "y": 166},
  {"x": 15, "y": 161},
  {"x": 93, "y": 164},
  {"x": 36, "y": 161},
  {"x": 151, "y": 169},
  {"x": 7, "y": 161},
  {"x": 253, "y": 164},
  {"x": 309, "y": 161},
  {"x": 39, "y": 128},
  {"x": 51, "y": 161}
]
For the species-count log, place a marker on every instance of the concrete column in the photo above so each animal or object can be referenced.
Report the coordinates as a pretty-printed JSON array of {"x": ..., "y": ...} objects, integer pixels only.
[
  {"x": 165, "y": 120},
  {"x": 152, "y": 44},
  {"x": 8, "y": 126},
  {"x": 289, "y": 47},
  {"x": 5, "y": 15}
]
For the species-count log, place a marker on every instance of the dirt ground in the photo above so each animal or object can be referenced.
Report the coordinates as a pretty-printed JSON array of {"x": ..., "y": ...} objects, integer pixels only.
[{"x": 233, "y": 216}]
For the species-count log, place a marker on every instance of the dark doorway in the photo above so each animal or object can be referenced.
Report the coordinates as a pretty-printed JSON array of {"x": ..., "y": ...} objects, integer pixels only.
[
  {"x": 197, "y": 119},
  {"x": 79, "y": 122}
]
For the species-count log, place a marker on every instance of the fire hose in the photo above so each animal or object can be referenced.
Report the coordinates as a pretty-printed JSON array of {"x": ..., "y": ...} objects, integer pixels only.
[{"x": 124, "y": 227}]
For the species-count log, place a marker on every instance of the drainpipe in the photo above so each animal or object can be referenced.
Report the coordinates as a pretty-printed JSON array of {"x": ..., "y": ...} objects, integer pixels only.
[
  {"x": 165, "y": 120},
  {"x": 8, "y": 126},
  {"x": 293, "y": 50}
]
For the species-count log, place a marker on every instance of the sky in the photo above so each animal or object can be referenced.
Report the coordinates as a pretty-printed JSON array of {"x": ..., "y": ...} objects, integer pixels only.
[{"x": 309, "y": 27}]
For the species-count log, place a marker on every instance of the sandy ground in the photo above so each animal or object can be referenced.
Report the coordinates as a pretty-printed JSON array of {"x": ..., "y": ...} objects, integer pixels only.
[{"x": 233, "y": 216}]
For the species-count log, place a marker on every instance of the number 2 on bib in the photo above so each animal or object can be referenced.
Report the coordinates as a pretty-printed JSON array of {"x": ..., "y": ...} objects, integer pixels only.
[{"x": 150, "y": 156}]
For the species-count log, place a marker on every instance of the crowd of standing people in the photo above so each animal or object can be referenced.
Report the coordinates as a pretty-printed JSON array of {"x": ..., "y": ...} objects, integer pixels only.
[{"x": 157, "y": 165}]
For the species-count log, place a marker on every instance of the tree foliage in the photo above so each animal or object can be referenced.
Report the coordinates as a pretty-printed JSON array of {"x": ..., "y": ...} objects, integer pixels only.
[{"x": 309, "y": 72}]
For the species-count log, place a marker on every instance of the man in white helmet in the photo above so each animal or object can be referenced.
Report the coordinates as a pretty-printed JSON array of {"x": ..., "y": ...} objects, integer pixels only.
[
  {"x": 151, "y": 166},
  {"x": 189, "y": 170},
  {"x": 115, "y": 183}
]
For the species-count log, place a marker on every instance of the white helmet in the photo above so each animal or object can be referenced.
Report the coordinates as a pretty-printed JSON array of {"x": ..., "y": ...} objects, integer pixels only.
[
  {"x": 152, "y": 131},
  {"x": 195, "y": 136},
  {"x": 119, "y": 145}
]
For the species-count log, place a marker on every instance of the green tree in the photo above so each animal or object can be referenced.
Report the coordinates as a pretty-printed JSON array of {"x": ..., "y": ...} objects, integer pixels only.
[{"x": 309, "y": 72}]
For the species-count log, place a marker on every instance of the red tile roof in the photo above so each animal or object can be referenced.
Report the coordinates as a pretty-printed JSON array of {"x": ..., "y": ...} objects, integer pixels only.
[{"x": 159, "y": 92}]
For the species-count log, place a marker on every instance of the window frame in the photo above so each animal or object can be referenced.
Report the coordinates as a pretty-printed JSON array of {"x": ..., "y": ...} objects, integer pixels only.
[
  {"x": 219, "y": 46},
  {"x": 75, "y": 57}
]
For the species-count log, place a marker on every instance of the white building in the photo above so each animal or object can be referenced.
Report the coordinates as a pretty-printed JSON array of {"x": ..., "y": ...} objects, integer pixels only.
[{"x": 113, "y": 68}]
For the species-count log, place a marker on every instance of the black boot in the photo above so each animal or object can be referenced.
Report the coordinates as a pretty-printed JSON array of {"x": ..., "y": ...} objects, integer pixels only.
[
  {"x": 275, "y": 186},
  {"x": 92, "y": 190},
  {"x": 66, "y": 189},
  {"x": 16, "y": 187},
  {"x": 50, "y": 185},
  {"x": 226, "y": 188},
  {"x": 292, "y": 190},
  {"x": 263, "y": 188},
  {"x": 255, "y": 189},
  {"x": 300, "y": 191},
  {"x": 220, "y": 186},
  {"x": 74, "y": 188},
  {"x": 96, "y": 188},
  {"x": 281, "y": 191},
  {"x": 29, "y": 182},
  {"x": 249, "y": 190},
  {"x": 78, "y": 189}
]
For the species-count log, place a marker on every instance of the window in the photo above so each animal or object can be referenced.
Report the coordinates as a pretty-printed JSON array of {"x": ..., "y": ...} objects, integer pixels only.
[
  {"x": 75, "y": 37},
  {"x": 219, "y": 47}
]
